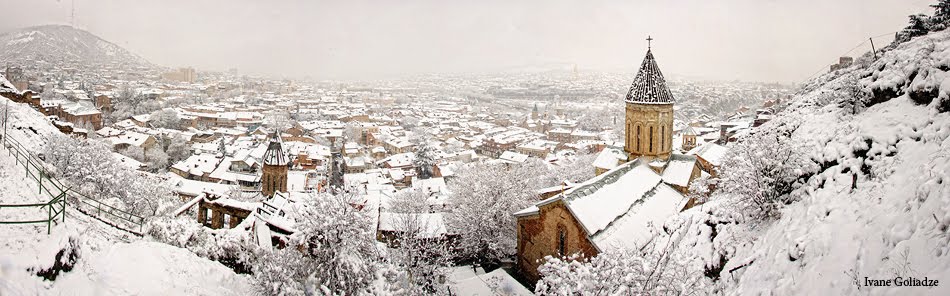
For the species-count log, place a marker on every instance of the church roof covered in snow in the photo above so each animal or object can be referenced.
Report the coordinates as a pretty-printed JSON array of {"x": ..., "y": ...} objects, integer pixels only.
[
  {"x": 621, "y": 207},
  {"x": 275, "y": 153},
  {"x": 649, "y": 87}
]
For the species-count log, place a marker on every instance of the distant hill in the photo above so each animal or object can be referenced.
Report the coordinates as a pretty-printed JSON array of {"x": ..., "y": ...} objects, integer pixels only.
[{"x": 60, "y": 43}]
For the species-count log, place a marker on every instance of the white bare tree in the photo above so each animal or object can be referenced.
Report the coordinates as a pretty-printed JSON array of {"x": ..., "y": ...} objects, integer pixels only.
[
  {"x": 88, "y": 166},
  {"x": 486, "y": 196},
  {"x": 335, "y": 238},
  {"x": 419, "y": 258},
  {"x": 763, "y": 171},
  {"x": 165, "y": 118}
]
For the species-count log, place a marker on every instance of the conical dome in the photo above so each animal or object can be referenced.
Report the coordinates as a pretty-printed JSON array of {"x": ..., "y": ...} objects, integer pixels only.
[
  {"x": 649, "y": 87},
  {"x": 275, "y": 153}
]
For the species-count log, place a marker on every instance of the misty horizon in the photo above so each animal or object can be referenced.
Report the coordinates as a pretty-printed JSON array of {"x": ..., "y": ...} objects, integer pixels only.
[{"x": 740, "y": 40}]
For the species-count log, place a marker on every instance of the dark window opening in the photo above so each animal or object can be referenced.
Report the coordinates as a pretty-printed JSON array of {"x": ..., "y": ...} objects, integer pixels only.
[
  {"x": 638, "y": 139},
  {"x": 663, "y": 138},
  {"x": 651, "y": 139},
  {"x": 561, "y": 237}
]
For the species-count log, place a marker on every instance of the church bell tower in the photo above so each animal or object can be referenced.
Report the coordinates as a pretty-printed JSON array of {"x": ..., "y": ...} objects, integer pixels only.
[
  {"x": 274, "y": 178},
  {"x": 649, "y": 113}
]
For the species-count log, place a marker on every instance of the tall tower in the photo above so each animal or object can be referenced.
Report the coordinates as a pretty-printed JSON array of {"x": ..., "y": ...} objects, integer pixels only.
[
  {"x": 649, "y": 112},
  {"x": 274, "y": 178}
]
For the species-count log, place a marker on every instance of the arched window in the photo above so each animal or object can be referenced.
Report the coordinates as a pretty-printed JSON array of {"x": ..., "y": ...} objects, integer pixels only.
[
  {"x": 663, "y": 138},
  {"x": 651, "y": 139},
  {"x": 638, "y": 139},
  {"x": 561, "y": 238},
  {"x": 627, "y": 134}
]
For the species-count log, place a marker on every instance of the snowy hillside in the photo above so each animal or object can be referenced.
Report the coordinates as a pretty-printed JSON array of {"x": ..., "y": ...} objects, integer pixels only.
[
  {"x": 874, "y": 199},
  {"x": 58, "y": 43},
  {"x": 26, "y": 125},
  {"x": 83, "y": 256}
]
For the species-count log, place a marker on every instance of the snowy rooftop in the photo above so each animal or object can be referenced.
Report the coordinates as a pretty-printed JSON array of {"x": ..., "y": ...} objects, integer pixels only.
[
  {"x": 513, "y": 157},
  {"x": 679, "y": 169},
  {"x": 620, "y": 206},
  {"x": 711, "y": 152},
  {"x": 609, "y": 158},
  {"x": 130, "y": 138},
  {"x": 498, "y": 282},
  {"x": 198, "y": 164}
]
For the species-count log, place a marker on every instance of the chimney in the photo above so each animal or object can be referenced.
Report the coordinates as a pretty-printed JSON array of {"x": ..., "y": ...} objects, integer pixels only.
[{"x": 723, "y": 134}]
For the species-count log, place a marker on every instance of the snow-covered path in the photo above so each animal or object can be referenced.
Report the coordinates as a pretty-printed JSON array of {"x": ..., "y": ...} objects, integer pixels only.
[{"x": 18, "y": 189}]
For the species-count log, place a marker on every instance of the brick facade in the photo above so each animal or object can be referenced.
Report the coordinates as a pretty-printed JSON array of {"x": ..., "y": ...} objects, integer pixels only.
[
  {"x": 642, "y": 119},
  {"x": 539, "y": 235},
  {"x": 274, "y": 179}
]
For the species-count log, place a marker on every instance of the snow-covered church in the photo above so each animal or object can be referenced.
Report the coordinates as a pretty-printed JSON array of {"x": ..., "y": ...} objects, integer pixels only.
[{"x": 646, "y": 183}]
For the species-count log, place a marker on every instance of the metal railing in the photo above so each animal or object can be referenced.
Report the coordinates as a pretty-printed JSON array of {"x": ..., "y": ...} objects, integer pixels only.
[
  {"x": 55, "y": 207},
  {"x": 34, "y": 168}
]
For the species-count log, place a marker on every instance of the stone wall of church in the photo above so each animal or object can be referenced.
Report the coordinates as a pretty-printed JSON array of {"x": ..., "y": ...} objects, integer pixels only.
[
  {"x": 641, "y": 120},
  {"x": 539, "y": 235},
  {"x": 274, "y": 179}
]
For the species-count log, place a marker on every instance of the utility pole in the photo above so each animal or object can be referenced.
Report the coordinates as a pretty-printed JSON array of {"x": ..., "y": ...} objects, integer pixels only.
[{"x": 872, "y": 47}]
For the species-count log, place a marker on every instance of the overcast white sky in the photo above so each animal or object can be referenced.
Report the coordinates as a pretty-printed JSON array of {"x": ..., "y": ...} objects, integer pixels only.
[{"x": 759, "y": 40}]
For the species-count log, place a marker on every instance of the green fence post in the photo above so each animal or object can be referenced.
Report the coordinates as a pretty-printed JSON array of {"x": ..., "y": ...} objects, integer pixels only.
[
  {"x": 49, "y": 221},
  {"x": 41, "y": 182},
  {"x": 64, "y": 207}
]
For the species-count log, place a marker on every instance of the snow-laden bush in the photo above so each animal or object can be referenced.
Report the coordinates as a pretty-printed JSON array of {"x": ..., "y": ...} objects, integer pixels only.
[
  {"x": 419, "y": 261},
  {"x": 165, "y": 118},
  {"x": 232, "y": 247},
  {"x": 657, "y": 269},
  {"x": 762, "y": 170},
  {"x": 701, "y": 188},
  {"x": 332, "y": 251},
  {"x": 485, "y": 197},
  {"x": 89, "y": 166},
  {"x": 180, "y": 232},
  {"x": 419, "y": 265},
  {"x": 284, "y": 272}
]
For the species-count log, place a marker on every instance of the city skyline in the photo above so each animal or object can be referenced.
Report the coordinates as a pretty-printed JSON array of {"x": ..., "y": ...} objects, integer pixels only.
[{"x": 367, "y": 40}]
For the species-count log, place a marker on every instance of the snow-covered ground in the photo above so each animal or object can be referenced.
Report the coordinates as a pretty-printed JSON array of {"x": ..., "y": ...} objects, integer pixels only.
[
  {"x": 26, "y": 125},
  {"x": 110, "y": 261},
  {"x": 18, "y": 189},
  {"x": 879, "y": 207}
]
